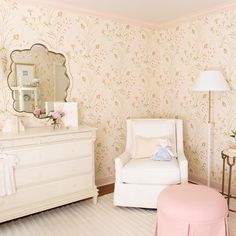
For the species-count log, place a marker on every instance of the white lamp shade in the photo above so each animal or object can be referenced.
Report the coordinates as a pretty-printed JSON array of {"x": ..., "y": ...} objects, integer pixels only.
[{"x": 211, "y": 81}]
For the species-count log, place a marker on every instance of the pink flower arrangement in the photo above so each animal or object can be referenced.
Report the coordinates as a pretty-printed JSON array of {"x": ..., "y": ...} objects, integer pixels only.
[
  {"x": 38, "y": 112},
  {"x": 55, "y": 116}
]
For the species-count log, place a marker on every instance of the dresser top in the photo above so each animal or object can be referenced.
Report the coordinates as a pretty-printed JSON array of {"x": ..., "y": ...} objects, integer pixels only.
[{"x": 45, "y": 131}]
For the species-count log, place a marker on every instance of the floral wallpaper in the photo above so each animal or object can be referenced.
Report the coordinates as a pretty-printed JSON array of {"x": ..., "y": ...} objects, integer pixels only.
[
  {"x": 120, "y": 70},
  {"x": 109, "y": 65},
  {"x": 186, "y": 49}
]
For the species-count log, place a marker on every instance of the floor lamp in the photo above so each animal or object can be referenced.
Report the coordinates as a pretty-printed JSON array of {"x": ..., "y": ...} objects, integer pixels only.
[{"x": 210, "y": 81}]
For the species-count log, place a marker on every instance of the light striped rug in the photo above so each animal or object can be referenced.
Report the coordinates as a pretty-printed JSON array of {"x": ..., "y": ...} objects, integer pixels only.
[{"x": 85, "y": 219}]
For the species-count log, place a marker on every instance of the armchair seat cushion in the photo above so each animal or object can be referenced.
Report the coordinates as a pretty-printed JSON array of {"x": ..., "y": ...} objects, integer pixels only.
[{"x": 146, "y": 171}]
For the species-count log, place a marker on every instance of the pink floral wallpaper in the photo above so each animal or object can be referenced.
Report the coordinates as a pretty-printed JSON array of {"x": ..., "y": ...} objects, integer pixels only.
[
  {"x": 206, "y": 43},
  {"x": 120, "y": 70},
  {"x": 110, "y": 65}
]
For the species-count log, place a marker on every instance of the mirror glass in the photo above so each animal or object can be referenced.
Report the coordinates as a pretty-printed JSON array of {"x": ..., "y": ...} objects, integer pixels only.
[{"x": 37, "y": 79}]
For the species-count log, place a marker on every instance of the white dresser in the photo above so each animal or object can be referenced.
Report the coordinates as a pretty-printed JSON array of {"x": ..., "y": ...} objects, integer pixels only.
[{"x": 55, "y": 167}]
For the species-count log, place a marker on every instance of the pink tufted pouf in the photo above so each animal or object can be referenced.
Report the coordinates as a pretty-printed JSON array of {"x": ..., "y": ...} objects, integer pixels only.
[{"x": 191, "y": 210}]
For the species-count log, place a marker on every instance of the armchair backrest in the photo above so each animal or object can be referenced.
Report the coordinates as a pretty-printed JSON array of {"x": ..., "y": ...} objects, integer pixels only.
[{"x": 169, "y": 128}]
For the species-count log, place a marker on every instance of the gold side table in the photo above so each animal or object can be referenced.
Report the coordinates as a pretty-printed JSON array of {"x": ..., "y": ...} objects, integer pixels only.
[{"x": 229, "y": 158}]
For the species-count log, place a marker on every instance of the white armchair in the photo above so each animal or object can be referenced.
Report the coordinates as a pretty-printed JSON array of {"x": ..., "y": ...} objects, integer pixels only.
[{"x": 139, "y": 181}]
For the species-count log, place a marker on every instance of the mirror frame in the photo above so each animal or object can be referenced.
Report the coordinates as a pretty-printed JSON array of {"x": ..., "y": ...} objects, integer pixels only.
[{"x": 11, "y": 71}]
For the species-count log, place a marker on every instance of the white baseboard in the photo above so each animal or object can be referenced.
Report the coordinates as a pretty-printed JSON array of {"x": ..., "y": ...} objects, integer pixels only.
[
  {"x": 200, "y": 180},
  {"x": 105, "y": 181}
]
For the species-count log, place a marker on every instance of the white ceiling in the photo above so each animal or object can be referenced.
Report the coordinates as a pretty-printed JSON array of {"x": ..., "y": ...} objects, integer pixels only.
[
  {"x": 155, "y": 12},
  {"x": 152, "y": 11}
]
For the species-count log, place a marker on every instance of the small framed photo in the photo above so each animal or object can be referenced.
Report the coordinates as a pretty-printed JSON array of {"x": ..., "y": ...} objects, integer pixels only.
[{"x": 24, "y": 74}]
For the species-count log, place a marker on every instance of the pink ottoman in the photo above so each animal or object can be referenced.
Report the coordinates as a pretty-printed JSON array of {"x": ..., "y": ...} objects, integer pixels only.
[{"x": 191, "y": 210}]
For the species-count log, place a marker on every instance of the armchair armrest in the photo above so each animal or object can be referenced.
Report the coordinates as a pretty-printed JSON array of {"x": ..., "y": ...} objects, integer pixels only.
[
  {"x": 183, "y": 166},
  {"x": 120, "y": 161}
]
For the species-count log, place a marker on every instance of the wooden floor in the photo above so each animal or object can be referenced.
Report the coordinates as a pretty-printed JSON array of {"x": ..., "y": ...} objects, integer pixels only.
[{"x": 106, "y": 189}]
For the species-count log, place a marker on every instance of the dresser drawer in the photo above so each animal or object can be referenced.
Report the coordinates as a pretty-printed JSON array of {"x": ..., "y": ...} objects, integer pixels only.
[
  {"x": 63, "y": 151},
  {"x": 26, "y": 142},
  {"x": 26, "y": 177},
  {"x": 26, "y": 157},
  {"x": 38, "y": 193},
  {"x": 46, "y": 154},
  {"x": 64, "y": 137}
]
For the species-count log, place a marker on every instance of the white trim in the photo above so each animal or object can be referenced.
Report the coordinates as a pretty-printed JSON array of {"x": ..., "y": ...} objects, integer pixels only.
[{"x": 215, "y": 185}]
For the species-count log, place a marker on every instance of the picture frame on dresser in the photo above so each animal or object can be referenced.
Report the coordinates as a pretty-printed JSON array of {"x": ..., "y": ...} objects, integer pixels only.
[{"x": 70, "y": 111}]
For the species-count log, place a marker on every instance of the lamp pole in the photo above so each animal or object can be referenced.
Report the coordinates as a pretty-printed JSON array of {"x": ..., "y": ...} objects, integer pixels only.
[
  {"x": 209, "y": 142},
  {"x": 209, "y": 81}
]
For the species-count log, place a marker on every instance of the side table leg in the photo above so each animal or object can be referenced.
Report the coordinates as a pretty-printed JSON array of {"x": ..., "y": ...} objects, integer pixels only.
[
  {"x": 229, "y": 185},
  {"x": 223, "y": 176}
]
